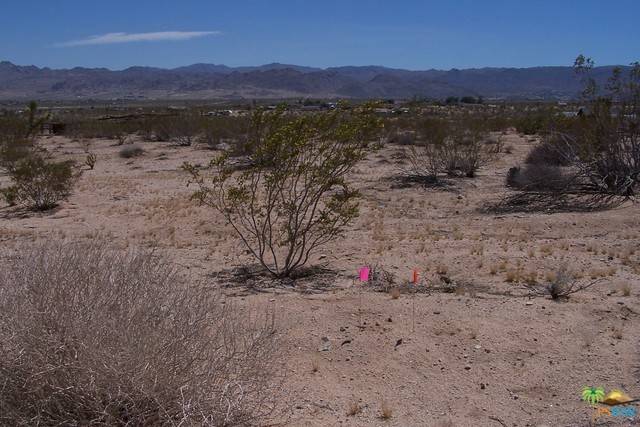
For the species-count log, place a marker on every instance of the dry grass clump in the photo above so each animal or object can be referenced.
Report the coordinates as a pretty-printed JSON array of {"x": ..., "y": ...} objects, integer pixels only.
[
  {"x": 90, "y": 335},
  {"x": 625, "y": 288},
  {"x": 546, "y": 250},
  {"x": 617, "y": 333},
  {"x": 315, "y": 365},
  {"x": 531, "y": 278},
  {"x": 354, "y": 408},
  {"x": 595, "y": 273},
  {"x": 386, "y": 411},
  {"x": 560, "y": 284},
  {"x": 477, "y": 249},
  {"x": 513, "y": 276}
]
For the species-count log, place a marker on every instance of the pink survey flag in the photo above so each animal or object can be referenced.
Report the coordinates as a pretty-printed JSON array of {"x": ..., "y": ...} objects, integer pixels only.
[{"x": 364, "y": 274}]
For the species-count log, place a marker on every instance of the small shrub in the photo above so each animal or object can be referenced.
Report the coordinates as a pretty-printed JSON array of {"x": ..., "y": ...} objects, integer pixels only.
[
  {"x": 38, "y": 183},
  {"x": 381, "y": 279},
  {"x": 617, "y": 333},
  {"x": 315, "y": 365},
  {"x": 91, "y": 160},
  {"x": 131, "y": 151},
  {"x": 122, "y": 138},
  {"x": 626, "y": 289},
  {"x": 512, "y": 276},
  {"x": 10, "y": 195},
  {"x": 354, "y": 408},
  {"x": 386, "y": 411},
  {"x": 561, "y": 284}
]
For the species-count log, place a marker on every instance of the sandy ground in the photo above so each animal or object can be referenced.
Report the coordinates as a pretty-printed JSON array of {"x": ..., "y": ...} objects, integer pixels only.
[{"x": 485, "y": 354}]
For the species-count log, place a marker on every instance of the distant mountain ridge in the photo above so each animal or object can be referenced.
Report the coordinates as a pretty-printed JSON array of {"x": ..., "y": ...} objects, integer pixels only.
[{"x": 211, "y": 81}]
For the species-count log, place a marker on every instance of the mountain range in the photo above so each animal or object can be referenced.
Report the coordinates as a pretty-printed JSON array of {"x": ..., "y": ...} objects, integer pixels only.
[{"x": 210, "y": 81}]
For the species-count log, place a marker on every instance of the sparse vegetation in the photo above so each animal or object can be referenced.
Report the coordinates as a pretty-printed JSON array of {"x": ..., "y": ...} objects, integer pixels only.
[
  {"x": 561, "y": 284},
  {"x": 472, "y": 265},
  {"x": 454, "y": 149},
  {"x": 594, "y": 157}
]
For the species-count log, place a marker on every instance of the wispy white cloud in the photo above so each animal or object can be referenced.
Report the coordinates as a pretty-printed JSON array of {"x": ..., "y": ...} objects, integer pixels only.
[{"x": 111, "y": 38}]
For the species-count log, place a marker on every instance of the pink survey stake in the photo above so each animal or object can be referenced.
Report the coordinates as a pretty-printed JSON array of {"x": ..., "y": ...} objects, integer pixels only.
[{"x": 364, "y": 274}]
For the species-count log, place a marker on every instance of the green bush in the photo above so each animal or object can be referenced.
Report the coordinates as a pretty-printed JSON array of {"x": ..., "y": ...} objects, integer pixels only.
[
  {"x": 295, "y": 196},
  {"x": 39, "y": 184}
]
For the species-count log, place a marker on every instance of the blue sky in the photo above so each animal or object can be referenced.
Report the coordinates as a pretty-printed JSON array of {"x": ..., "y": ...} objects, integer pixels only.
[{"x": 408, "y": 34}]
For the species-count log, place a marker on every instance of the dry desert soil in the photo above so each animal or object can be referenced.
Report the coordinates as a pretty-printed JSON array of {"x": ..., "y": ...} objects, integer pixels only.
[{"x": 470, "y": 346}]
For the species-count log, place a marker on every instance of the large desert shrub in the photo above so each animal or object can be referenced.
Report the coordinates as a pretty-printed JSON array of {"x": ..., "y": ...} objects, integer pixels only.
[
  {"x": 548, "y": 153},
  {"x": 539, "y": 177},
  {"x": 593, "y": 160},
  {"x": 604, "y": 143},
  {"x": 90, "y": 335},
  {"x": 295, "y": 197}
]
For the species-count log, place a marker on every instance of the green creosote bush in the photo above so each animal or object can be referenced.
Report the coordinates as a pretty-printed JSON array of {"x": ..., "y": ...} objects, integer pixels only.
[
  {"x": 295, "y": 196},
  {"x": 38, "y": 183}
]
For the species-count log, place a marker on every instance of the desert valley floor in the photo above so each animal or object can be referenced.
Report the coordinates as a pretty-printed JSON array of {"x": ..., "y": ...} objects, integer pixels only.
[{"x": 472, "y": 348}]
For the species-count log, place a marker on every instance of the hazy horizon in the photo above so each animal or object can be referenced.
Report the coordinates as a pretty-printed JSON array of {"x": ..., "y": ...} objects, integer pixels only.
[{"x": 568, "y": 64}]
